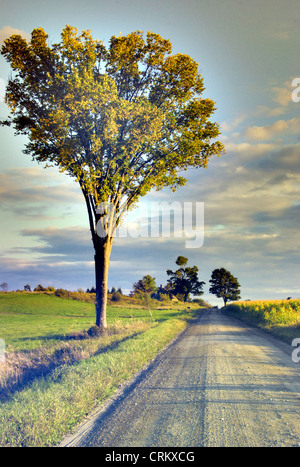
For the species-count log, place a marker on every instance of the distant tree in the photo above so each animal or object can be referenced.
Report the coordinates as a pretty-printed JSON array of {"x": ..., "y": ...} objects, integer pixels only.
[
  {"x": 27, "y": 288},
  {"x": 224, "y": 285},
  {"x": 116, "y": 296},
  {"x": 184, "y": 281},
  {"x": 121, "y": 120},
  {"x": 62, "y": 293},
  {"x": 145, "y": 285},
  {"x": 120, "y": 290},
  {"x": 40, "y": 288},
  {"x": 145, "y": 288},
  {"x": 113, "y": 290},
  {"x": 4, "y": 286}
]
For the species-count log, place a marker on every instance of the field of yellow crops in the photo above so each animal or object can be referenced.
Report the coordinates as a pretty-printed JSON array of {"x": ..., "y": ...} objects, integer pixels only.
[{"x": 281, "y": 317}]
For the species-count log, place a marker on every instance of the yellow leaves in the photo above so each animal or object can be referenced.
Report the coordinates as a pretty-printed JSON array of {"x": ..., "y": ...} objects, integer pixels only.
[
  {"x": 38, "y": 38},
  {"x": 15, "y": 50},
  {"x": 142, "y": 122},
  {"x": 122, "y": 119},
  {"x": 157, "y": 48},
  {"x": 96, "y": 144}
]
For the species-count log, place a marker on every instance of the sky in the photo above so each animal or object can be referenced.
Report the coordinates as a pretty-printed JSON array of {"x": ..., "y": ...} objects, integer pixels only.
[{"x": 248, "y": 56}]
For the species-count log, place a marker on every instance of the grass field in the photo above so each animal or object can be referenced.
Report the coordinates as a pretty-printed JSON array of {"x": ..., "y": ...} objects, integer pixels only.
[
  {"x": 279, "y": 317},
  {"x": 53, "y": 375}
]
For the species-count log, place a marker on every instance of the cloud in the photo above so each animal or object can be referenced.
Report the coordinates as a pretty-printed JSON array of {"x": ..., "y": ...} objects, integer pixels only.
[
  {"x": 283, "y": 94},
  {"x": 17, "y": 272},
  {"x": 70, "y": 244},
  {"x": 232, "y": 124},
  {"x": 33, "y": 191},
  {"x": 249, "y": 148},
  {"x": 277, "y": 129},
  {"x": 266, "y": 132},
  {"x": 7, "y": 31},
  {"x": 65, "y": 258},
  {"x": 286, "y": 159}
]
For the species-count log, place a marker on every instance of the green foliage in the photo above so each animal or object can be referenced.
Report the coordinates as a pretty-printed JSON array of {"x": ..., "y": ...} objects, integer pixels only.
[
  {"x": 184, "y": 281},
  {"x": 116, "y": 296},
  {"x": 224, "y": 285},
  {"x": 121, "y": 119},
  {"x": 145, "y": 286},
  {"x": 270, "y": 312},
  {"x": 62, "y": 293},
  {"x": 279, "y": 317},
  {"x": 40, "y": 288}
]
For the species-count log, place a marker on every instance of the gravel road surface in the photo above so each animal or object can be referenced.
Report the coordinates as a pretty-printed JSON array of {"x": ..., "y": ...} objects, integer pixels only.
[{"x": 221, "y": 383}]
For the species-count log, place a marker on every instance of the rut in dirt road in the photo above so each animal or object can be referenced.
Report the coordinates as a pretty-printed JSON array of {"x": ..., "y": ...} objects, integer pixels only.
[{"x": 221, "y": 383}]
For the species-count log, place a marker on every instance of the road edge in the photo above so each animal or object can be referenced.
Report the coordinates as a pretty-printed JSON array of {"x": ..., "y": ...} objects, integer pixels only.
[{"x": 84, "y": 427}]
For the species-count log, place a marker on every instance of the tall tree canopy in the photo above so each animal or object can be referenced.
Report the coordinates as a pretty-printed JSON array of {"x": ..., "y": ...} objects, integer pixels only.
[
  {"x": 121, "y": 120},
  {"x": 184, "y": 281}
]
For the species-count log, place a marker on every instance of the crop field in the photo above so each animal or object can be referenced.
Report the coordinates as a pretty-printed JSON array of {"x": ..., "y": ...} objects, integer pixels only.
[
  {"x": 54, "y": 374},
  {"x": 279, "y": 317}
]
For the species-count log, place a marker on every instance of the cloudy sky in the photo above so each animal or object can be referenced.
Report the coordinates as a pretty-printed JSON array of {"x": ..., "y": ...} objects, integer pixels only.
[{"x": 248, "y": 55}]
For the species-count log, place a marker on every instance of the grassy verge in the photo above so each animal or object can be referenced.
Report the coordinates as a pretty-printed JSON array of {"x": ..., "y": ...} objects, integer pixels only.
[
  {"x": 65, "y": 378},
  {"x": 281, "y": 318}
]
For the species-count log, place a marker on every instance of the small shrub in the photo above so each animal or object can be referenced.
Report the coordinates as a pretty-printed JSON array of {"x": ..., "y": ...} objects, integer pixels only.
[
  {"x": 116, "y": 297},
  {"x": 40, "y": 288},
  {"x": 62, "y": 293}
]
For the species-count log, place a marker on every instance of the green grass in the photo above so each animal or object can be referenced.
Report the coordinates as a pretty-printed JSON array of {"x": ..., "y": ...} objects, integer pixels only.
[
  {"x": 59, "y": 381},
  {"x": 28, "y": 321},
  {"x": 279, "y": 317}
]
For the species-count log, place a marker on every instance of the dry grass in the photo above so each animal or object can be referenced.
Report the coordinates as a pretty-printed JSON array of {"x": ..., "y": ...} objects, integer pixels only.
[
  {"x": 50, "y": 407},
  {"x": 22, "y": 367},
  {"x": 54, "y": 374}
]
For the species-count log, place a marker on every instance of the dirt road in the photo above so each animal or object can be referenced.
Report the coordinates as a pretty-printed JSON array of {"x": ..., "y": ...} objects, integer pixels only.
[{"x": 222, "y": 383}]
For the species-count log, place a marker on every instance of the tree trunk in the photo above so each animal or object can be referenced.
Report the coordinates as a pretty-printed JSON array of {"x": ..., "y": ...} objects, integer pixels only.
[{"x": 102, "y": 256}]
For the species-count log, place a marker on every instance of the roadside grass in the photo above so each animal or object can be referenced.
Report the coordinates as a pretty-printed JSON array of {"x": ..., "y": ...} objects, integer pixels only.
[
  {"x": 280, "y": 318},
  {"x": 54, "y": 375}
]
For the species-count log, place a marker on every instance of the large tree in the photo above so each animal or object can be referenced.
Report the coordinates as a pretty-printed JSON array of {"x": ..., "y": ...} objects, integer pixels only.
[
  {"x": 121, "y": 120},
  {"x": 224, "y": 285},
  {"x": 184, "y": 281}
]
